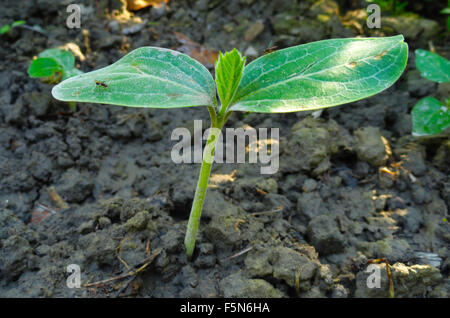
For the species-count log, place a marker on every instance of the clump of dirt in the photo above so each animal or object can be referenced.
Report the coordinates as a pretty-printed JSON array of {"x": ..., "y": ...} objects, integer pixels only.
[{"x": 97, "y": 187}]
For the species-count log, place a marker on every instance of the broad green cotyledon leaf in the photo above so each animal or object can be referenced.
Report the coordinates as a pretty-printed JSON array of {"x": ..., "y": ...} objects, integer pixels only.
[
  {"x": 433, "y": 66},
  {"x": 430, "y": 117},
  {"x": 320, "y": 74},
  {"x": 146, "y": 77}
]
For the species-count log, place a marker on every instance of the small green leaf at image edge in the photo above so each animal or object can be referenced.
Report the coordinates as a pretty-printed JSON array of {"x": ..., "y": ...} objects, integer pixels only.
[{"x": 430, "y": 117}]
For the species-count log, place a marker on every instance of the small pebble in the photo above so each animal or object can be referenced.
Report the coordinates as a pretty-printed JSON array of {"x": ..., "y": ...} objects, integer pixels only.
[{"x": 309, "y": 185}]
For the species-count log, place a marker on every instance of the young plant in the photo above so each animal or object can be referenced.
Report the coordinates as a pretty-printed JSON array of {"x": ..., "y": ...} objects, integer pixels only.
[
  {"x": 430, "y": 116},
  {"x": 305, "y": 77},
  {"x": 54, "y": 65},
  {"x": 7, "y": 28}
]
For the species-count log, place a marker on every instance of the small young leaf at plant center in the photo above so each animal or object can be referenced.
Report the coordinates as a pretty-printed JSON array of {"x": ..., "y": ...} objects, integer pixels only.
[
  {"x": 64, "y": 58},
  {"x": 430, "y": 117},
  {"x": 43, "y": 67},
  {"x": 320, "y": 74},
  {"x": 433, "y": 66},
  {"x": 146, "y": 77},
  {"x": 229, "y": 68}
]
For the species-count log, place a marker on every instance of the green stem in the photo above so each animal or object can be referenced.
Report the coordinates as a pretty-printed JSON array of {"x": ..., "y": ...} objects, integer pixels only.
[
  {"x": 213, "y": 115},
  {"x": 202, "y": 185},
  {"x": 72, "y": 106}
]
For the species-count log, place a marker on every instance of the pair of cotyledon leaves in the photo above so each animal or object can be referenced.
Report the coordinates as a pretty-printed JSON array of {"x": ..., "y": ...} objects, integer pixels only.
[
  {"x": 305, "y": 77},
  {"x": 429, "y": 115}
]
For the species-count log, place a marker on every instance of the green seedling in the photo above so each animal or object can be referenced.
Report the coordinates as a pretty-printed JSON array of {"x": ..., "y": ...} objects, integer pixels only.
[
  {"x": 430, "y": 116},
  {"x": 7, "y": 28},
  {"x": 300, "y": 78},
  {"x": 54, "y": 65}
]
